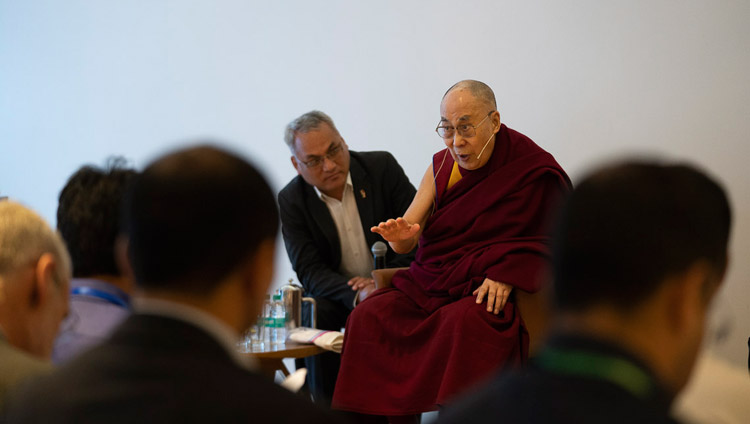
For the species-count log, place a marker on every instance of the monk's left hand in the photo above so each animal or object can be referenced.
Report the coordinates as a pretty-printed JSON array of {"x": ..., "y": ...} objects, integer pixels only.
[
  {"x": 497, "y": 294},
  {"x": 358, "y": 283}
]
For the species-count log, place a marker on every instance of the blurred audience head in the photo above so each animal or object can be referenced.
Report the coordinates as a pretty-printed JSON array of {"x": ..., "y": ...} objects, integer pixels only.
[
  {"x": 627, "y": 228},
  {"x": 35, "y": 274},
  {"x": 646, "y": 243},
  {"x": 88, "y": 216},
  {"x": 198, "y": 218}
]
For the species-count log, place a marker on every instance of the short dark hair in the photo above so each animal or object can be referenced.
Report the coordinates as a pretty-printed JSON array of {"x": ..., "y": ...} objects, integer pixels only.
[
  {"x": 193, "y": 216},
  {"x": 627, "y": 227},
  {"x": 88, "y": 216}
]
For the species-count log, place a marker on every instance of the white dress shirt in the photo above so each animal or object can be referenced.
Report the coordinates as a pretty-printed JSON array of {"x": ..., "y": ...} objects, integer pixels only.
[{"x": 356, "y": 260}]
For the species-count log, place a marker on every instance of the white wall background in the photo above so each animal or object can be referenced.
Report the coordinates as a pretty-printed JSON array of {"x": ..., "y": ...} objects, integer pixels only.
[{"x": 588, "y": 80}]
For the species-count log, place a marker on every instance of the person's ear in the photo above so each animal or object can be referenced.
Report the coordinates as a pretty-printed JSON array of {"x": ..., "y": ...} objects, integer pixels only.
[
  {"x": 45, "y": 271},
  {"x": 495, "y": 118},
  {"x": 687, "y": 296},
  {"x": 122, "y": 259},
  {"x": 2, "y": 291},
  {"x": 295, "y": 165},
  {"x": 259, "y": 273}
]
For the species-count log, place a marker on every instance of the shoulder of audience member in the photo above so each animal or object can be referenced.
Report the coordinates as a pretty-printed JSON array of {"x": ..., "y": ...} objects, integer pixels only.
[
  {"x": 293, "y": 405},
  {"x": 484, "y": 402},
  {"x": 23, "y": 403}
]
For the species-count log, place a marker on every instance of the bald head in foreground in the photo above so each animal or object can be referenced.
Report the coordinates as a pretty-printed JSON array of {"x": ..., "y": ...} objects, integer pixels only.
[
  {"x": 639, "y": 252},
  {"x": 34, "y": 279},
  {"x": 201, "y": 225}
]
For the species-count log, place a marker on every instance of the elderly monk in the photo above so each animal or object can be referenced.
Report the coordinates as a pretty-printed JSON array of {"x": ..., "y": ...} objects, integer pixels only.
[{"x": 480, "y": 217}]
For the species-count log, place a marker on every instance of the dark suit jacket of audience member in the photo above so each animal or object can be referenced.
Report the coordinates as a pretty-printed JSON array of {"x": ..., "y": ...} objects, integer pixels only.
[
  {"x": 156, "y": 369},
  {"x": 537, "y": 394},
  {"x": 382, "y": 191}
]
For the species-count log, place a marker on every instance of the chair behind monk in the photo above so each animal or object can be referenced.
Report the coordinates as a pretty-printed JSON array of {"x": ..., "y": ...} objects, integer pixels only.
[{"x": 534, "y": 307}]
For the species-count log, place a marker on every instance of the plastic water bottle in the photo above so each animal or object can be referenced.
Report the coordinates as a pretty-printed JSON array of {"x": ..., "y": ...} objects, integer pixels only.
[
  {"x": 268, "y": 322},
  {"x": 278, "y": 333}
]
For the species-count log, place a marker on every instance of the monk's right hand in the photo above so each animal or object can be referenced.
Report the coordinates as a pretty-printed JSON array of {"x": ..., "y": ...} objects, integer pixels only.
[
  {"x": 497, "y": 294},
  {"x": 395, "y": 230}
]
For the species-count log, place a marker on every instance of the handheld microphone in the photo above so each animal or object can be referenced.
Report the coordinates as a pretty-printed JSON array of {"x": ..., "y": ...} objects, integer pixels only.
[
  {"x": 379, "y": 250},
  {"x": 485, "y": 146}
]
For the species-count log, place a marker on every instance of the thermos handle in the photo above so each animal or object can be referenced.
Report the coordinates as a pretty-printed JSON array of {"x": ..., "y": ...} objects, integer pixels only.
[{"x": 313, "y": 311}]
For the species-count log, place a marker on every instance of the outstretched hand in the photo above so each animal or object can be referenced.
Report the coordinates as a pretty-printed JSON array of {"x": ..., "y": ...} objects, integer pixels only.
[
  {"x": 497, "y": 294},
  {"x": 396, "y": 230}
]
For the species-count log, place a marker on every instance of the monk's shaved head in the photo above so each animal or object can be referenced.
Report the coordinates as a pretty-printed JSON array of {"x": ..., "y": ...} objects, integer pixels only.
[{"x": 478, "y": 89}]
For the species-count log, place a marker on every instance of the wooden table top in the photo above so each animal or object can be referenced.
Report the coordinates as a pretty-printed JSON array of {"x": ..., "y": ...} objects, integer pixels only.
[{"x": 288, "y": 350}]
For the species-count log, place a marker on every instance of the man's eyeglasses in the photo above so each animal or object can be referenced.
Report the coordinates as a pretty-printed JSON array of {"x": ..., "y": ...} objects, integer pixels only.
[
  {"x": 316, "y": 161},
  {"x": 465, "y": 130}
]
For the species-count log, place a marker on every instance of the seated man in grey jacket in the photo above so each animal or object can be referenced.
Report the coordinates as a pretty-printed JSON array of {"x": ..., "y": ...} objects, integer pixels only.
[{"x": 34, "y": 279}]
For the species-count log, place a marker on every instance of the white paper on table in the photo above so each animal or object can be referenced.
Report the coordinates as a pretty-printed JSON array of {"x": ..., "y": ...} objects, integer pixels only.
[{"x": 328, "y": 340}]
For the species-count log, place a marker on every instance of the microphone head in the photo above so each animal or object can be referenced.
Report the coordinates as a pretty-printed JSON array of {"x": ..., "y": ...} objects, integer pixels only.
[{"x": 379, "y": 248}]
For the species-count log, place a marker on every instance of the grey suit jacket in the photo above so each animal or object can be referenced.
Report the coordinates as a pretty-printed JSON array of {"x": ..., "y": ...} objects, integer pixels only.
[{"x": 16, "y": 366}]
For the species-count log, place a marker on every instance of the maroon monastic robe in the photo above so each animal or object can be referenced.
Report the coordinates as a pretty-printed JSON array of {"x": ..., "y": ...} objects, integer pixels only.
[{"x": 410, "y": 348}]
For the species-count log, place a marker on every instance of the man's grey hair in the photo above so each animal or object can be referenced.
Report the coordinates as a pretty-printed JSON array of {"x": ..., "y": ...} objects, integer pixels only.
[
  {"x": 25, "y": 237},
  {"x": 478, "y": 89},
  {"x": 307, "y": 122}
]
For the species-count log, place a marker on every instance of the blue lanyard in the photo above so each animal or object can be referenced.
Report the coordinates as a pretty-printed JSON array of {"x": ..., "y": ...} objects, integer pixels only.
[{"x": 99, "y": 294}]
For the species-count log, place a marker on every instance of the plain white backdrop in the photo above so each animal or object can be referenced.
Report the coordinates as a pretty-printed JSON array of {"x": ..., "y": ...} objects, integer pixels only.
[{"x": 587, "y": 80}]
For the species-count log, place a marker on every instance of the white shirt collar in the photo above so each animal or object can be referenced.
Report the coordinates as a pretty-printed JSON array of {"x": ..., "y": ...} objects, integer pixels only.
[
  {"x": 324, "y": 196},
  {"x": 225, "y": 335}
]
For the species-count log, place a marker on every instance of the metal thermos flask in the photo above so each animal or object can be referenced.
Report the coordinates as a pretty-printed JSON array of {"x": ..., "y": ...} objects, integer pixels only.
[{"x": 291, "y": 296}]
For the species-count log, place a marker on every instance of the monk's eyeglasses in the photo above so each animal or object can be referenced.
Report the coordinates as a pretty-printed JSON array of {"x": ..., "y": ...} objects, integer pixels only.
[
  {"x": 465, "y": 130},
  {"x": 316, "y": 161}
]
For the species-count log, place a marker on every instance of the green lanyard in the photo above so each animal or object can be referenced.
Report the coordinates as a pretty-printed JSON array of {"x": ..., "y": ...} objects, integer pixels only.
[{"x": 615, "y": 370}]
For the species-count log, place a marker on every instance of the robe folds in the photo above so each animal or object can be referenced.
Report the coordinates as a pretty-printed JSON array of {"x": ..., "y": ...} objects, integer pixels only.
[{"x": 413, "y": 347}]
